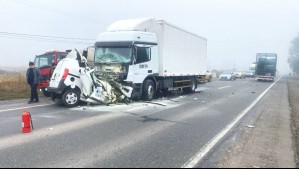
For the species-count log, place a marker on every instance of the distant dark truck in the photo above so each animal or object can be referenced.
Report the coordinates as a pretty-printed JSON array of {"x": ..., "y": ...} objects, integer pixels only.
[{"x": 266, "y": 64}]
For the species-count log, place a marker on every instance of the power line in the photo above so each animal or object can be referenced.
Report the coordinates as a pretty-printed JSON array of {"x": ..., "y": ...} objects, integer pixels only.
[
  {"x": 43, "y": 39},
  {"x": 42, "y": 36},
  {"x": 54, "y": 10}
]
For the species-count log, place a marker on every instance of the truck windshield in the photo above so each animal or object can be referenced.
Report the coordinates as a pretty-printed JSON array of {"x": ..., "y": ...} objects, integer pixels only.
[
  {"x": 44, "y": 60},
  {"x": 113, "y": 55}
]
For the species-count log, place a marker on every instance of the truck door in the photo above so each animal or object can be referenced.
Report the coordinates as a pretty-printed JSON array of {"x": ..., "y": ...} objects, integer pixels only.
[{"x": 142, "y": 63}]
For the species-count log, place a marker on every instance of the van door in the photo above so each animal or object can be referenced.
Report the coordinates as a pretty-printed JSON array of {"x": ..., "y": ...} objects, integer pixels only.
[{"x": 56, "y": 77}]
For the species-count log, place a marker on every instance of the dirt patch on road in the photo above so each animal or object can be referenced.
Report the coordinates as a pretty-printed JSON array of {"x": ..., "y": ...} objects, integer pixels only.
[
  {"x": 268, "y": 142},
  {"x": 293, "y": 85}
]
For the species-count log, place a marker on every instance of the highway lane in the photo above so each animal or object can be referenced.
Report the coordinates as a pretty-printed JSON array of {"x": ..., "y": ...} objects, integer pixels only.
[{"x": 136, "y": 135}]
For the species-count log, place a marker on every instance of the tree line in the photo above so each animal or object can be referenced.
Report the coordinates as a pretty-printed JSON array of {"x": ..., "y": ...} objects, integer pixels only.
[{"x": 294, "y": 55}]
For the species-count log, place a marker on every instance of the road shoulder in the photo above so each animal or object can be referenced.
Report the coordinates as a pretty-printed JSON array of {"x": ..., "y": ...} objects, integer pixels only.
[
  {"x": 293, "y": 85},
  {"x": 268, "y": 144}
]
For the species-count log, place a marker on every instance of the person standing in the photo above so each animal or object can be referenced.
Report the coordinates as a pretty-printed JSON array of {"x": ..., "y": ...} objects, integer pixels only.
[{"x": 33, "y": 78}]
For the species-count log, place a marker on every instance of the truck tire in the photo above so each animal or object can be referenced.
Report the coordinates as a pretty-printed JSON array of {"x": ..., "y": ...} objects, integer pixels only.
[
  {"x": 71, "y": 98},
  {"x": 46, "y": 93},
  {"x": 148, "y": 90},
  {"x": 192, "y": 88}
]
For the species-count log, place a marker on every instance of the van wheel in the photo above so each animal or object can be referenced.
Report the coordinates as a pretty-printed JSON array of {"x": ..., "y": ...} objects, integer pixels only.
[
  {"x": 46, "y": 93},
  {"x": 71, "y": 98},
  {"x": 148, "y": 90},
  {"x": 192, "y": 88}
]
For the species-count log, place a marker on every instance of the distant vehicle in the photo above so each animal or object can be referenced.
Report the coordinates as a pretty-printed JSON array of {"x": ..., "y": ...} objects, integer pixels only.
[
  {"x": 240, "y": 75},
  {"x": 227, "y": 76},
  {"x": 250, "y": 74},
  {"x": 266, "y": 66},
  {"x": 47, "y": 63}
]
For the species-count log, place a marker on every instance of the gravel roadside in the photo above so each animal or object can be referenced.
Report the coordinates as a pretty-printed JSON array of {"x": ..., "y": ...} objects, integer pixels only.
[
  {"x": 293, "y": 85},
  {"x": 268, "y": 143}
]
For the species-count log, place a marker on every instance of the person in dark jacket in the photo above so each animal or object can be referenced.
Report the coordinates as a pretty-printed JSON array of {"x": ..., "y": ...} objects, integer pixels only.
[{"x": 33, "y": 78}]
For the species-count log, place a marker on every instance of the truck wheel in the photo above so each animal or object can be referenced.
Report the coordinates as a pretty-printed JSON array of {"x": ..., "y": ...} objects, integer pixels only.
[
  {"x": 46, "y": 93},
  {"x": 192, "y": 88},
  {"x": 71, "y": 98},
  {"x": 148, "y": 90}
]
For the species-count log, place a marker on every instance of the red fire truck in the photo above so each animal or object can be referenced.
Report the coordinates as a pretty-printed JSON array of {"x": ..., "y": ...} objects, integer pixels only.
[{"x": 47, "y": 63}]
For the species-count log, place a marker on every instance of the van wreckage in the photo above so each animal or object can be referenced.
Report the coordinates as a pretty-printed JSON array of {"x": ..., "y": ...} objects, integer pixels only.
[{"x": 73, "y": 81}]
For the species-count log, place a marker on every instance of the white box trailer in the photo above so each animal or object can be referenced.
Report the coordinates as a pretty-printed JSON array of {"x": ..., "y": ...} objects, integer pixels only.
[
  {"x": 181, "y": 53},
  {"x": 150, "y": 56}
]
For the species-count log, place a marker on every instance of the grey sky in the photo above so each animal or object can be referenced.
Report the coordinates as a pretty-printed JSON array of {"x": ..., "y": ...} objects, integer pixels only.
[{"x": 236, "y": 29}]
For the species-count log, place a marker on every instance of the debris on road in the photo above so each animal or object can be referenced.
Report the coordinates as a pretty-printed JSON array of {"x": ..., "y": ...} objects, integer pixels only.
[
  {"x": 156, "y": 103},
  {"x": 250, "y": 126}
]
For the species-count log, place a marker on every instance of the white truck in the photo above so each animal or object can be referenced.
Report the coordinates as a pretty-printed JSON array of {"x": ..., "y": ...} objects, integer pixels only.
[{"x": 150, "y": 55}]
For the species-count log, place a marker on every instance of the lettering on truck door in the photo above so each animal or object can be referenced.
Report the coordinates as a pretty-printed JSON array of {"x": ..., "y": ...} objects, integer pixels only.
[{"x": 142, "y": 63}]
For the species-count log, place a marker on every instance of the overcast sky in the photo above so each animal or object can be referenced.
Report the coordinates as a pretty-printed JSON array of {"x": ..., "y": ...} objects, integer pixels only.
[{"x": 236, "y": 29}]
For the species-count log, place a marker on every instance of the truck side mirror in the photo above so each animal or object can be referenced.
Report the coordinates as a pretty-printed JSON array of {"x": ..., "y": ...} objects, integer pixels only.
[
  {"x": 135, "y": 55},
  {"x": 85, "y": 54},
  {"x": 134, "y": 59}
]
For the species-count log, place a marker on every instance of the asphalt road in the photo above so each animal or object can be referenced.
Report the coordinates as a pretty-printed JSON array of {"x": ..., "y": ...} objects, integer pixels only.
[{"x": 165, "y": 133}]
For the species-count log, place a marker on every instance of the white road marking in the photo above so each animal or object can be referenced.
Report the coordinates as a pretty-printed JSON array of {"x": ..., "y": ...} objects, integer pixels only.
[
  {"x": 50, "y": 117},
  {"x": 23, "y": 108},
  {"x": 245, "y": 82},
  {"x": 224, "y": 87},
  {"x": 207, "y": 148}
]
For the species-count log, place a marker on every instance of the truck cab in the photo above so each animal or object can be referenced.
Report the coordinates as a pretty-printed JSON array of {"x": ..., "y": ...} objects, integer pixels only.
[
  {"x": 47, "y": 63},
  {"x": 130, "y": 59}
]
